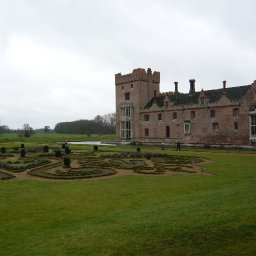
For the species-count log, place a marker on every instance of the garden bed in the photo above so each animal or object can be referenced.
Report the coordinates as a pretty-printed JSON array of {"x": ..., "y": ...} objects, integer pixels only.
[{"x": 6, "y": 176}]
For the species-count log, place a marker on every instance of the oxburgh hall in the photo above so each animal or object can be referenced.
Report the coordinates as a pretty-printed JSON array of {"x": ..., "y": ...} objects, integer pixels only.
[{"x": 220, "y": 116}]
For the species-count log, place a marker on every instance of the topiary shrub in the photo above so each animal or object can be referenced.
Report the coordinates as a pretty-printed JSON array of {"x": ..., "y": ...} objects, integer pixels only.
[
  {"x": 148, "y": 156},
  {"x": 207, "y": 146},
  {"x": 95, "y": 148},
  {"x": 63, "y": 146},
  {"x": 31, "y": 150},
  {"x": 22, "y": 145},
  {"x": 22, "y": 153},
  {"x": 5, "y": 176},
  {"x": 66, "y": 162},
  {"x": 138, "y": 150},
  {"x": 3, "y": 150},
  {"x": 45, "y": 149},
  {"x": 58, "y": 153},
  {"x": 67, "y": 150}
]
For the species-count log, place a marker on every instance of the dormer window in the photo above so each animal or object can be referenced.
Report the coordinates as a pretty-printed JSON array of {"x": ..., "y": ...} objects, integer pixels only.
[{"x": 166, "y": 104}]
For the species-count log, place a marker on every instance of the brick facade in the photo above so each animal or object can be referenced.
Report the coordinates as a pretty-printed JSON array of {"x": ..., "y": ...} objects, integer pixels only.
[{"x": 220, "y": 116}]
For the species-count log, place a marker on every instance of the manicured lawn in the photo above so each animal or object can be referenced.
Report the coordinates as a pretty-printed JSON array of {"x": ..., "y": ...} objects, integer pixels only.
[
  {"x": 135, "y": 215},
  {"x": 51, "y": 138}
]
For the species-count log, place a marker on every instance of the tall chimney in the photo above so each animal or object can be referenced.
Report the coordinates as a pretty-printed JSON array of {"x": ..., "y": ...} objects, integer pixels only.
[
  {"x": 192, "y": 86},
  {"x": 224, "y": 86},
  {"x": 149, "y": 71},
  {"x": 176, "y": 87}
]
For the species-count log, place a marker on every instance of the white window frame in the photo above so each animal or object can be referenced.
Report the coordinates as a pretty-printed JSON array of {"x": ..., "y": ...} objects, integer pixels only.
[
  {"x": 187, "y": 128},
  {"x": 253, "y": 126},
  {"x": 126, "y": 130}
]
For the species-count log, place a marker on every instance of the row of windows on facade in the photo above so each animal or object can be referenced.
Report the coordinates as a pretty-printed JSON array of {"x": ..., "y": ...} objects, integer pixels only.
[
  {"x": 126, "y": 128},
  {"x": 126, "y": 131},
  {"x": 192, "y": 114},
  {"x": 215, "y": 128}
]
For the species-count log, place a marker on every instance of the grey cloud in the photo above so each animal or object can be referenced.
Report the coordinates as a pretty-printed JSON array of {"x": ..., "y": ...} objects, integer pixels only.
[{"x": 60, "y": 57}]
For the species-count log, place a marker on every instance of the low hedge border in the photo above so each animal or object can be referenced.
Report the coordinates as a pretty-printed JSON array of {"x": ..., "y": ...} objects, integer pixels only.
[
  {"x": 72, "y": 173},
  {"x": 22, "y": 166},
  {"x": 6, "y": 176}
]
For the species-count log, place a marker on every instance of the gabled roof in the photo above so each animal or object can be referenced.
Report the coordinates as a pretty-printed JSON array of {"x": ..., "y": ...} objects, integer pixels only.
[{"x": 232, "y": 93}]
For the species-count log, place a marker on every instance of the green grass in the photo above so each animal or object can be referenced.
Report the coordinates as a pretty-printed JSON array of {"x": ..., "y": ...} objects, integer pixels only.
[
  {"x": 135, "y": 215},
  {"x": 50, "y": 138}
]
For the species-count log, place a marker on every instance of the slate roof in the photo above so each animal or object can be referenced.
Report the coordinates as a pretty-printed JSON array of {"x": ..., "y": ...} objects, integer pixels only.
[{"x": 232, "y": 93}]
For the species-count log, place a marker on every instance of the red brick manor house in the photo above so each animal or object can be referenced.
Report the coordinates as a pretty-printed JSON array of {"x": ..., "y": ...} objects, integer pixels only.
[{"x": 220, "y": 116}]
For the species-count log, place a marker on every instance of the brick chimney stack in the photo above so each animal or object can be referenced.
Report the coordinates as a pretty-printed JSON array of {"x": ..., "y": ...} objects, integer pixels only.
[
  {"x": 176, "y": 87},
  {"x": 192, "y": 86},
  {"x": 224, "y": 86}
]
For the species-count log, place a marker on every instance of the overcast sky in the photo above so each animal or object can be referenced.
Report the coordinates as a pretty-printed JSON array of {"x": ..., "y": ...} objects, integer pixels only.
[{"x": 58, "y": 58}]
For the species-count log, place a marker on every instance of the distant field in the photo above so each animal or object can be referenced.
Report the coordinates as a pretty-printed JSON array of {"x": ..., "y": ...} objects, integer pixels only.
[
  {"x": 181, "y": 214},
  {"x": 50, "y": 138}
]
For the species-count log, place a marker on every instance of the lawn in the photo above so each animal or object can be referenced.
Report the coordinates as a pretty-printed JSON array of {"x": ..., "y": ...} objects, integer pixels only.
[
  {"x": 181, "y": 214},
  {"x": 51, "y": 138}
]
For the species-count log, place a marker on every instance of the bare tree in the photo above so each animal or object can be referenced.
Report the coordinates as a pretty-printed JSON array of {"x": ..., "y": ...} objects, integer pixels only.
[
  {"x": 46, "y": 129},
  {"x": 27, "y": 130}
]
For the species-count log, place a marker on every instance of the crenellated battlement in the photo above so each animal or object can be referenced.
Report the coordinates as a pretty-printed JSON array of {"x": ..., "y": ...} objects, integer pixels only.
[{"x": 138, "y": 74}]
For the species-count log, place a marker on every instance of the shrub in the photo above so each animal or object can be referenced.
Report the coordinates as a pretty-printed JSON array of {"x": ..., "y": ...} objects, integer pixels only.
[
  {"x": 22, "y": 145},
  {"x": 58, "y": 153},
  {"x": 3, "y": 150},
  {"x": 95, "y": 148},
  {"x": 22, "y": 153},
  {"x": 31, "y": 150},
  {"x": 221, "y": 146},
  {"x": 66, "y": 162},
  {"x": 63, "y": 146},
  {"x": 67, "y": 150},
  {"x": 207, "y": 146},
  {"x": 27, "y": 134},
  {"x": 148, "y": 156},
  {"x": 45, "y": 149},
  {"x": 138, "y": 150}
]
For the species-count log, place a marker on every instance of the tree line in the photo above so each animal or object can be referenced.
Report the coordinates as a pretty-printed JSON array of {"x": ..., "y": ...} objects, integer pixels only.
[
  {"x": 99, "y": 125},
  {"x": 104, "y": 124}
]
